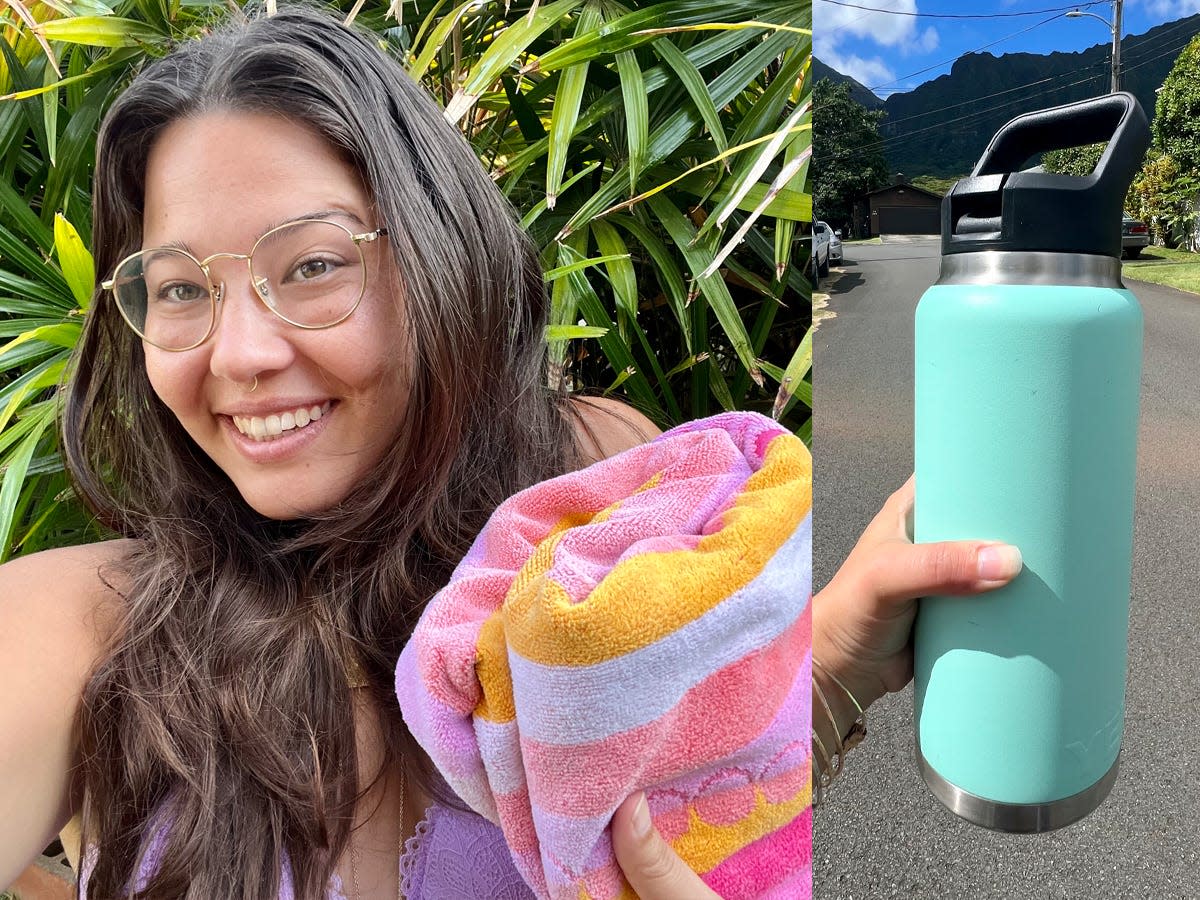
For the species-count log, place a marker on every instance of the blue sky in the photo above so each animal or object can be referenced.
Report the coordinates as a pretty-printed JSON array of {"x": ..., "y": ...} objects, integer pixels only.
[{"x": 887, "y": 52}]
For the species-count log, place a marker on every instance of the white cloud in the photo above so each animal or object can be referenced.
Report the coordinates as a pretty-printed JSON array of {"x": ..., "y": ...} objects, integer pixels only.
[
  {"x": 835, "y": 23},
  {"x": 867, "y": 72},
  {"x": 842, "y": 36}
]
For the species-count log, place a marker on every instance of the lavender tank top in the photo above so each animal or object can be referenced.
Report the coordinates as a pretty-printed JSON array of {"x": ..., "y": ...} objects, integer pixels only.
[
  {"x": 459, "y": 856},
  {"x": 453, "y": 856}
]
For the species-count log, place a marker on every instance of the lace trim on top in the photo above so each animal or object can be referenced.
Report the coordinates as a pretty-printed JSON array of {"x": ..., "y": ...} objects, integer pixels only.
[{"x": 412, "y": 853}]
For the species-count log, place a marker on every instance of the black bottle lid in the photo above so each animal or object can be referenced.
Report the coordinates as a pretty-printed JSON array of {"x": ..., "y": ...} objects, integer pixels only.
[{"x": 997, "y": 208}]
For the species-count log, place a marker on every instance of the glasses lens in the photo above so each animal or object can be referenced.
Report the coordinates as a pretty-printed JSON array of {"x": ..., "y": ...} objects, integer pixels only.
[
  {"x": 164, "y": 295},
  {"x": 310, "y": 273}
]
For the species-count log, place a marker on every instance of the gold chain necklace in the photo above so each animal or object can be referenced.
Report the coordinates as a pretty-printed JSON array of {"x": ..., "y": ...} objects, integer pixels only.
[
  {"x": 357, "y": 678},
  {"x": 400, "y": 852}
]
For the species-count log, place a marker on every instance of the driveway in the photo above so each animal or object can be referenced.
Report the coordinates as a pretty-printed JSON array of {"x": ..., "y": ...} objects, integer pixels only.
[{"x": 882, "y": 835}]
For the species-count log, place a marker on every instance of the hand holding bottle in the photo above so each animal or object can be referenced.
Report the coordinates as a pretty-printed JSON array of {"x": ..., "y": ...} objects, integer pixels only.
[{"x": 862, "y": 620}]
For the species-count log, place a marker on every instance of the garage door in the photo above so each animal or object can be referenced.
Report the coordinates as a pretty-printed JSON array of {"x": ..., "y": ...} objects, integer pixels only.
[{"x": 909, "y": 220}]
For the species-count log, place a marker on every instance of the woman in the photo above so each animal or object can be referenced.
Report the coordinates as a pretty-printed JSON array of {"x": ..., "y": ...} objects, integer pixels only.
[{"x": 297, "y": 450}]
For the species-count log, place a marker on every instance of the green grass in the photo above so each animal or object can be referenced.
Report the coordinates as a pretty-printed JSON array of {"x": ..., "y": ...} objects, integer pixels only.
[
  {"x": 874, "y": 240},
  {"x": 1173, "y": 268}
]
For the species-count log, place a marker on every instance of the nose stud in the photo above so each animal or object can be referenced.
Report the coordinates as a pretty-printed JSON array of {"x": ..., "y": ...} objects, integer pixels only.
[{"x": 254, "y": 386}]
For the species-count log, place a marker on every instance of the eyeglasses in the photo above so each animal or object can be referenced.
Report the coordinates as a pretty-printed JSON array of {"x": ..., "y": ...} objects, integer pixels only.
[{"x": 311, "y": 273}]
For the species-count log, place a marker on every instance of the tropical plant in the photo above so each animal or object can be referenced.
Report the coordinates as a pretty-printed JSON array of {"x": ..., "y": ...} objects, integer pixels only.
[
  {"x": 1082, "y": 161},
  {"x": 1078, "y": 161},
  {"x": 1167, "y": 201},
  {"x": 657, "y": 151},
  {"x": 1168, "y": 186}
]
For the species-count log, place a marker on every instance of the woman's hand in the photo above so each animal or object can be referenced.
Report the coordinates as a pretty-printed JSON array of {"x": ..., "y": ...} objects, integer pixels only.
[
  {"x": 862, "y": 620},
  {"x": 651, "y": 866}
]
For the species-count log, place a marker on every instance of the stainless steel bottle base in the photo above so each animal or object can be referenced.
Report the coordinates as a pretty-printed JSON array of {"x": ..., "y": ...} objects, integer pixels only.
[{"x": 1021, "y": 818}]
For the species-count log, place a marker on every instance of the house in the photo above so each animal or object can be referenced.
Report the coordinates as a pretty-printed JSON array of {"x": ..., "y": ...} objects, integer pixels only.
[{"x": 899, "y": 208}]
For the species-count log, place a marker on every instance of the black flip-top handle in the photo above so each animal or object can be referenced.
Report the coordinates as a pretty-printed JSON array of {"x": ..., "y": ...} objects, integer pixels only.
[
  {"x": 1001, "y": 208},
  {"x": 1114, "y": 118}
]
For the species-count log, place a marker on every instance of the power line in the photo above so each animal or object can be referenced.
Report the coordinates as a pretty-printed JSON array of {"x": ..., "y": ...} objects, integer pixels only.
[
  {"x": 1139, "y": 58},
  {"x": 921, "y": 15},
  {"x": 1010, "y": 90},
  {"x": 1138, "y": 55},
  {"x": 1161, "y": 55},
  {"x": 1161, "y": 36},
  {"x": 976, "y": 50},
  {"x": 1142, "y": 58},
  {"x": 882, "y": 142},
  {"x": 827, "y": 31},
  {"x": 961, "y": 121},
  {"x": 1176, "y": 25}
]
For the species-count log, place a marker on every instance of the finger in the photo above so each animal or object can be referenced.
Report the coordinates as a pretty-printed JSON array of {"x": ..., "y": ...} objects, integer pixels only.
[
  {"x": 905, "y": 493},
  {"x": 902, "y": 571},
  {"x": 893, "y": 518},
  {"x": 652, "y": 868}
]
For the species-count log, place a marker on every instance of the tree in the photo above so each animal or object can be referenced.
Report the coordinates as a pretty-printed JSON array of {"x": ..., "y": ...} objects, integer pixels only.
[
  {"x": 1166, "y": 189},
  {"x": 848, "y": 160},
  {"x": 1079, "y": 161},
  {"x": 1176, "y": 127},
  {"x": 1082, "y": 161},
  {"x": 1165, "y": 199}
]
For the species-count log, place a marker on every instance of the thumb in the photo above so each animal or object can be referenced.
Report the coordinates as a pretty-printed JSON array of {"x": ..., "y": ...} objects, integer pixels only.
[
  {"x": 652, "y": 868},
  {"x": 904, "y": 571}
]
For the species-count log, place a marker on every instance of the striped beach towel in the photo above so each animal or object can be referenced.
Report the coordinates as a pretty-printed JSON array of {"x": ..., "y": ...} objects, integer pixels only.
[{"x": 641, "y": 624}]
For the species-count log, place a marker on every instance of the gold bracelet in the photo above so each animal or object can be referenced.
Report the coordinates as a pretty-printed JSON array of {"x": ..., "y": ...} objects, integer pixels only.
[
  {"x": 858, "y": 728},
  {"x": 820, "y": 777},
  {"x": 834, "y": 764},
  {"x": 834, "y": 767}
]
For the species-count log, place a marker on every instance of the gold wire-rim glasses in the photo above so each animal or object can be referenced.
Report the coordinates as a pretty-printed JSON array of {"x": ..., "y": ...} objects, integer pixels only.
[{"x": 215, "y": 293}]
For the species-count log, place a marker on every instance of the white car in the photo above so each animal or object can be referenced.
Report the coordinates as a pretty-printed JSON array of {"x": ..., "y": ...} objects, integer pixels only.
[
  {"x": 835, "y": 246},
  {"x": 819, "y": 260}
]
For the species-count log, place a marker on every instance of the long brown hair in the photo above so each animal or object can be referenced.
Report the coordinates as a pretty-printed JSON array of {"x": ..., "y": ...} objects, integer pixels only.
[{"x": 223, "y": 706}]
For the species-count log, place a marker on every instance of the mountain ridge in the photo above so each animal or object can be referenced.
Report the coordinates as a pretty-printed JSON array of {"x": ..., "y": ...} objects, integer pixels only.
[
  {"x": 859, "y": 92},
  {"x": 941, "y": 127}
]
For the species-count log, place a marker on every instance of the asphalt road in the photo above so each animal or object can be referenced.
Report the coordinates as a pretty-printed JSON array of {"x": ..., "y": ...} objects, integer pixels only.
[{"x": 882, "y": 834}]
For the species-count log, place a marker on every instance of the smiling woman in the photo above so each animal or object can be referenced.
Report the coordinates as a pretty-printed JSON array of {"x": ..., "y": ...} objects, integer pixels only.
[
  {"x": 281, "y": 251},
  {"x": 273, "y": 327},
  {"x": 314, "y": 370}
]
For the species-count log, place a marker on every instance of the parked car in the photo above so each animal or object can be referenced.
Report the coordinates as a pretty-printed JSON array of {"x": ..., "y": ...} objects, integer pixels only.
[
  {"x": 819, "y": 260},
  {"x": 835, "y": 247},
  {"x": 1135, "y": 236}
]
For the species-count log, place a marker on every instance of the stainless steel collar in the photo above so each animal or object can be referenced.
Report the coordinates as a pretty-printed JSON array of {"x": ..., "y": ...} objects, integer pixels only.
[{"x": 1013, "y": 267}]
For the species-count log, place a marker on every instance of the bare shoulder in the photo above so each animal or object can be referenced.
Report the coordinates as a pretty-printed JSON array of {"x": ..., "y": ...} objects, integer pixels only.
[
  {"x": 58, "y": 610},
  {"x": 605, "y": 427},
  {"x": 58, "y": 607},
  {"x": 70, "y": 583}
]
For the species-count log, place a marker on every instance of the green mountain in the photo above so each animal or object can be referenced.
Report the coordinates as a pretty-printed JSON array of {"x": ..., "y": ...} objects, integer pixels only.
[
  {"x": 942, "y": 127},
  {"x": 859, "y": 93}
]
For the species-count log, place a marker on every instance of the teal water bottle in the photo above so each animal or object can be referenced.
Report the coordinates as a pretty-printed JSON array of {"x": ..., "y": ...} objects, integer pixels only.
[{"x": 1028, "y": 360}]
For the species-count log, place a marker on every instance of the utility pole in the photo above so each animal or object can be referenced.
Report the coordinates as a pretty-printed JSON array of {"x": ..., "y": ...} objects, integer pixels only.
[
  {"x": 1115, "y": 27},
  {"x": 1116, "y": 51}
]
